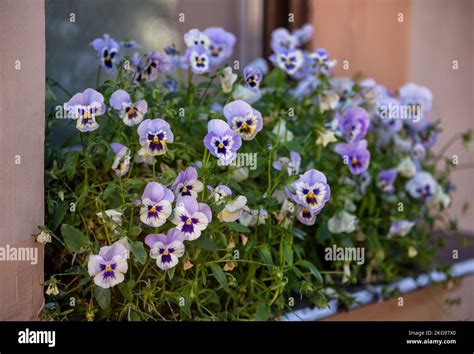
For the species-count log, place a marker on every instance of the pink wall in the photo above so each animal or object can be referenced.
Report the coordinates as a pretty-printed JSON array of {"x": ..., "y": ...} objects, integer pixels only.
[
  {"x": 442, "y": 31},
  {"x": 22, "y": 187}
]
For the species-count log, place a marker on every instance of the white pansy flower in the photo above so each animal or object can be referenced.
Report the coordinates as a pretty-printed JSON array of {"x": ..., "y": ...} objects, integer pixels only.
[
  {"x": 342, "y": 222},
  {"x": 407, "y": 167},
  {"x": 228, "y": 79}
]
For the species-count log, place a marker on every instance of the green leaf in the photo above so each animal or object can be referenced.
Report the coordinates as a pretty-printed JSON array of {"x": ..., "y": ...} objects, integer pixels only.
[
  {"x": 170, "y": 273},
  {"x": 263, "y": 312},
  {"x": 73, "y": 238},
  {"x": 103, "y": 297},
  {"x": 126, "y": 289},
  {"x": 138, "y": 251},
  {"x": 265, "y": 255},
  {"x": 238, "y": 227},
  {"x": 59, "y": 213},
  {"x": 70, "y": 165},
  {"x": 135, "y": 231},
  {"x": 312, "y": 268},
  {"x": 297, "y": 232},
  {"x": 204, "y": 242},
  {"x": 111, "y": 192},
  {"x": 323, "y": 233},
  {"x": 220, "y": 276},
  {"x": 288, "y": 252}
]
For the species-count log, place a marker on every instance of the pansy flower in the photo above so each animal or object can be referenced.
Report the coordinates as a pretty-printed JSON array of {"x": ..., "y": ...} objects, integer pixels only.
[
  {"x": 388, "y": 109},
  {"x": 342, "y": 221},
  {"x": 219, "y": 193},
  {"x": 234, "y": 209},
  {"x": 355, "y": 155},
  {"x": 242, "y": 118},
  {"x": 422, "y": 186},
  {"x": 288, "y": 60},
  {"x": 292, "y": 164},
  {"x": 310, "y": 191},
  {"x": 154, "y": 135},
  {"x": 121, "y": 163},
  {"x": 282, "y": 40},
  {"x": 195, "y": 37},
  {"x": 151, "y": 65},
  {"x": 221, "y": 141},
  {"x": 156, "y": 200},
  {"x": 400, "y": 228},
  {"x": 191, "y": 217},
  {"x": 320, "y": 61},
  {"x": 166, "y": 249},
  {"x": 198, "y": 58},
  {"x": 109, "y": 266},
  {"x": 419, "y": 99},
  {"x": 228, "y": 79},
  {"x": 252, "y": 77},
  {"x": 221, "y": 44},
  {"x": 303, "y": 34},
  {"x": 305, "y": 215},
  {"x": 386, "y": 178},
  {"x": 187, "y": 184},
  {"x": 107, "y": 50},
  {"x": 84, "y": 107},
  {"x": 353, "y": 124},
  {"x": 131, "y": 113}
]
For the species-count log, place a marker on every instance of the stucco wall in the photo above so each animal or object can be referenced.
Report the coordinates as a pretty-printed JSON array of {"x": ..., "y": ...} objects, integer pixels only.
[{"x": 22, "y": 135}]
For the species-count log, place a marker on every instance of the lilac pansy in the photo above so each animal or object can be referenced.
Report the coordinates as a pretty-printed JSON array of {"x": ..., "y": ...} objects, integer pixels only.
[
  {"x": 222, "y": 141},
  {"x": 320, "y": 61},
  {"x": 109, "y": 266},
  {"x": 386, "y": 178},
  {"x": 422, "y": 186},
  {"x": 151, "y": 65},
  {"x": 355, "y": 155},
  {"x": 252, "y": 77},
  {"x": 291, "y": 165},
  {"x": 156, "y": 200},
  {"x": 195, "y": 37},
  {"x": 219, "y": 193},
  {"x": 242, "y": 118},
  {"x": 311, "y": 191},
  {"x": 353, "y": 124},
  {"x": 107, "y": 51},
  {"x": 400, "y": 228},
  {"x": 288, "y": 60},
  {"x": 130, "y": 113},
  {"x": 84, "y": 107},
  {"x": 419, "y": 100},
  {"x": 221, "y": 44},
  {"x": 198, "y": 59},
  {"x": 154, "y": 135},
  {"x": 121, "y": 163},
  {"x": 187, "y": 184},
  {"x": 303, "y": 34},
  {"x": 191, "y": 217},
  {"x": 166, "y": 249},
  {"x": 305, "y": 216},
  {"x": 282, "y": 40}
]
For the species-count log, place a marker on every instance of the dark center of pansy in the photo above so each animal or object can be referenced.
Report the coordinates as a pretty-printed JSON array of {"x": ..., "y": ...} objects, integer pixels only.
[
  {"x": 131, "y": 112},
  {"x": 153, "y": 210},
  {"x": 108, "y": 270},
  {"x": 215, "y": 50},
  {"x": 166, "y": 254},
  {"x": 156, "y": 141},
  {"x": 306, "y": 214},
  {"x": 186, "y": 190},
  {"x": 355, "y": 162}
]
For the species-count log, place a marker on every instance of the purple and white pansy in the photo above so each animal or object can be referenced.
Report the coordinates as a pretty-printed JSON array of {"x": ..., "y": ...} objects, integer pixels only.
[
  {"x": 166, "y": 249},
  {"x": 109, "y": 266},
  {"x": 311, "y": 191},
  {"x": 156, "y": 200},
  {"x": 187, "y": 184},
  {"x": 84, "y": 107},
  {"x": 195, "y": 37},
  {"x": 155, "y": 134},
  {"x": 221, "y": 44},
  {"x": 222, "y": 141},
  {"x": 355, "y": 155},
  {"x": 107, "y": 51},
  {"x": 386, "y": 178},
  {"x": 288, "y": 60},
  {"x": 353, "y": 124},
  {"x": 198, "y": 58},
  {"x": 191, "y": 217},
  {"x": 130, "y": 113},
  {"x": 219, "y": 193},
  {"x": 242, "y": 118},
  {"x": 422, "y": 186},
  {"x": 400, "y": 228},
  {"x": 121, "y": 163},
  {"x": 291, "y": 165},
  {"x": 252, "y": 77}
]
